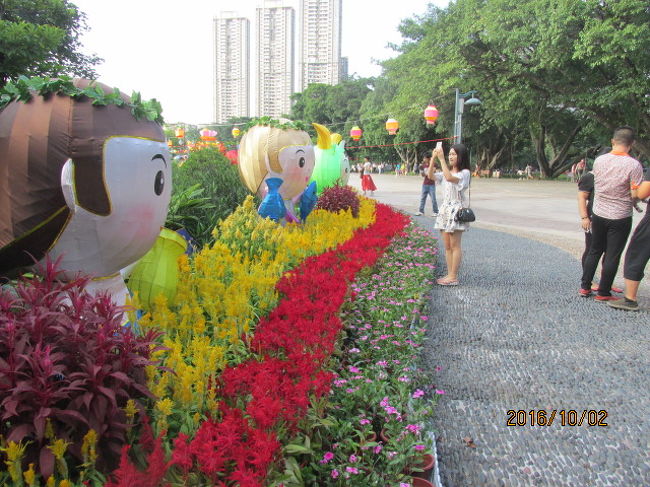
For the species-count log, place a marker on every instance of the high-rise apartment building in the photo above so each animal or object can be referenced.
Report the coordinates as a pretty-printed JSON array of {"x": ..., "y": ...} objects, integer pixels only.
[
  {"x": 320, "y": 47},
  {"x": 275, "y": 58},
  {"x": 231, "y": 67}
]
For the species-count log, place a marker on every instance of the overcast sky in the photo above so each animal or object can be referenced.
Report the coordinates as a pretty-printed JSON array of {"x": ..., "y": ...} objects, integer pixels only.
[{"x": 163, "y": 48}]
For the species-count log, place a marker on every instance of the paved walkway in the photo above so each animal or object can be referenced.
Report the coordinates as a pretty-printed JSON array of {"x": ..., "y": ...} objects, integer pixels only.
[{"x": 514, "y": 336}]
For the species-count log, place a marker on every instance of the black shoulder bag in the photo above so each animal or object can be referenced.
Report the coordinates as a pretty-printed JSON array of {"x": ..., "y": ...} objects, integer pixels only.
[{"x": 466, "y": 215}]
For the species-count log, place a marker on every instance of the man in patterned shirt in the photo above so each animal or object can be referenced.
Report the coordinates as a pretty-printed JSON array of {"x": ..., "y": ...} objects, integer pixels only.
[{"x": 614, "y": 174}]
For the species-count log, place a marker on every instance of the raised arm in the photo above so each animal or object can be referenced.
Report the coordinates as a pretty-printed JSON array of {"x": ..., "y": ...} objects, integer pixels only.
[{"x": 440, "y": 154}]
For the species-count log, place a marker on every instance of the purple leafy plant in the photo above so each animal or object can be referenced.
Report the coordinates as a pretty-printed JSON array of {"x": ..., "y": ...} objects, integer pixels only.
[
  {"x": 67, "y": 366},
  {"x": 337, "y": 198}
]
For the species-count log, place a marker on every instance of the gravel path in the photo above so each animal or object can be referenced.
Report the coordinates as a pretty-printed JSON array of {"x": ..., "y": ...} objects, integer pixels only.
[{"x": 515, "y": 336}]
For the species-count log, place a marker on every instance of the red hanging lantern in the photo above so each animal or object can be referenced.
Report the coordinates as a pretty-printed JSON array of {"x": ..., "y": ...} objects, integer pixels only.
[
  {"x": 356, "y": 132},
  {"x": 392, "y": 126},
  {"x": 180, "y": 133},
  {"x": 431, "y": 114}
]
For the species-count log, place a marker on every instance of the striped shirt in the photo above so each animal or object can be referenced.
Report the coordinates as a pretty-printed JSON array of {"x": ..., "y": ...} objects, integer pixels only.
[{"x": 614, "y": 173}]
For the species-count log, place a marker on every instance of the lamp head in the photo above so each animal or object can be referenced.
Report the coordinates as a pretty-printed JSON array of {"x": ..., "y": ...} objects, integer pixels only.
[{"x": 473, "y": 101}]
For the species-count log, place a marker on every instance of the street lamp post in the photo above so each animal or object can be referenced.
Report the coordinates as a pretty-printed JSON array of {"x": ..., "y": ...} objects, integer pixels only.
[{"x": 458, "y": 112}]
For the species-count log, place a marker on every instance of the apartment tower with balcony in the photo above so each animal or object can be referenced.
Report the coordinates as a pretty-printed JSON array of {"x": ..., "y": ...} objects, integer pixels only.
[
  {"x": 275, "y": 58},
  {"x": 319, "y": 59},
  {"x": 231, "y": 67}
]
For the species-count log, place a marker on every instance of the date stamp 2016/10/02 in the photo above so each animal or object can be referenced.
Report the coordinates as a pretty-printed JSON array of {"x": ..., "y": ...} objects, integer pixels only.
[{"x": 562, "y": 417}]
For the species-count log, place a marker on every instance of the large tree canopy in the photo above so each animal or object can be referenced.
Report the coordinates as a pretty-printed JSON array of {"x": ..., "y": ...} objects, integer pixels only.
[{"x": 41, "y": 38}]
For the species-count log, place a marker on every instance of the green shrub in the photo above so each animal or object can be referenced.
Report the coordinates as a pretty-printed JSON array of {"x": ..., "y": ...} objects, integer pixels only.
[{"x": 206, "y": 188}]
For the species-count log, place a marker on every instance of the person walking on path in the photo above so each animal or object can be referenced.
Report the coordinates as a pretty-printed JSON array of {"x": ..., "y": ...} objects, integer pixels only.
[
  {"x": 428, "y": 187},
  {"x": 611, "y": 222},
  {"x": 638, "y": 253},
  {"x": 367, "y": 184},
  {"x": 585, "y": 210},
  {"x": 454, "y": 180}
]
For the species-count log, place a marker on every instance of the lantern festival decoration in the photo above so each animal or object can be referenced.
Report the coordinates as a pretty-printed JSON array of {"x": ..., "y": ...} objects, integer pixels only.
[
  {"x": 276, "y": 164},
  {"x": 329, "y": 168},
  {"x": 236, "y": 132},
  {"x": 179, "y": 133},
  {"x": 431, "y": 114},
  {"x": 392, "y": 126},
  {"x": 356, "y": 132},
  {"x": 208, "y": 135},
  {"x": 92, "y": 186}
]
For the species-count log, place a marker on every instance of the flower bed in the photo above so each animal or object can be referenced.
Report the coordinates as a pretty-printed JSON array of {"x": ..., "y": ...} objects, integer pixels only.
[{"x": 234, "y": 406}]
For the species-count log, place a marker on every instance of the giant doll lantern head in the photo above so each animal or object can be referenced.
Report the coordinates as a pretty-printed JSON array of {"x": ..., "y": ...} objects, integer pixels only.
[
  {"x": 267, "y": 152},
  {"x": 332, "y": 166},
  {"x": 89, "y": 184}
]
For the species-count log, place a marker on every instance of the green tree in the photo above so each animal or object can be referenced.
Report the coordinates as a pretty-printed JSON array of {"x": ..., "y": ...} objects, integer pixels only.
[{"x": 41, "y": 38}]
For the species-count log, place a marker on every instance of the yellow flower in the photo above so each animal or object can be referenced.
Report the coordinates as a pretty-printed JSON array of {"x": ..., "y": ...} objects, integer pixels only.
[
  {"x": 130, "y": 410},
  {"x": 165, "y": 406},
  {"x": 88, "y": 447},
  {"x": 65, "y": 483},
  {"x": 58, "y": 448},
  {"x": 29, "y": 475},
  {"x": 51, "y": 482}
]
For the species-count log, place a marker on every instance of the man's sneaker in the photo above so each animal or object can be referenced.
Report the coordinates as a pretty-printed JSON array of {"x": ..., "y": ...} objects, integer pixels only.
[
  {"x": 598, "y": 297},
  {"x": 585, "y": 293},
  {"x": 434, "y": 215},
  {"x": 419, "y": 213},
  {"x": 624, "y": 304}
]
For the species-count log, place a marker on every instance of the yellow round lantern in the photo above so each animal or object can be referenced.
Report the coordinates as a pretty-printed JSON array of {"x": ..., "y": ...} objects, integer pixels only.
[
  {"x": 236, "y": 132},
  {"x": 392, "y": 126},
  {"x": 180, "y": 133},
  {"x": 431, "y": 114},
  {"x": 169, "y": 143},
  {"x": 356, "y": 132}
]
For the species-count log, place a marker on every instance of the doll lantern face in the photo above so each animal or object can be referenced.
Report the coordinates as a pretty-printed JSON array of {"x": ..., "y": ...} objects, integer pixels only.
[
  {"x": 137, "y": 176},
  {"x": 297, "y": 162}
]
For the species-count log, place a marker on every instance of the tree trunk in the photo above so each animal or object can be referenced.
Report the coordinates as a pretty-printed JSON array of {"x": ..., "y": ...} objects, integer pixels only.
[
  {"x": 559, "y": 163},
  {"x": 539, "y": 141}
]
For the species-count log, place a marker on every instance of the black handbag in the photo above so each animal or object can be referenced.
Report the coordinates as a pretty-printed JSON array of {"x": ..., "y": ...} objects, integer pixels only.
[{"x": 466, "y": 215}]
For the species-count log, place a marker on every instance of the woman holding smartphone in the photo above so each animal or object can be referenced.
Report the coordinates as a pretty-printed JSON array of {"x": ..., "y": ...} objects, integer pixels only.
[{"x": 454, "y": 181}]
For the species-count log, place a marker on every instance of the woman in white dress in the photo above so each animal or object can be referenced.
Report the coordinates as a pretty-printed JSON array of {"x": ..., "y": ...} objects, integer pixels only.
[{"x": 454, "y": 182}]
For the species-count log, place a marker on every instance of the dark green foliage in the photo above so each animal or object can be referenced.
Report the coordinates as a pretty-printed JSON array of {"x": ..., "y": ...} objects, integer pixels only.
[
  {"x": 339, "y": 198},
  {"x": 219, "y": 192},
  {"x": 41, "y": 37}
]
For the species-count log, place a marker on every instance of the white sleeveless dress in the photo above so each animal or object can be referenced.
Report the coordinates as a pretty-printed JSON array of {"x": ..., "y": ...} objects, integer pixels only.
[{"x": 454, "y": 197}]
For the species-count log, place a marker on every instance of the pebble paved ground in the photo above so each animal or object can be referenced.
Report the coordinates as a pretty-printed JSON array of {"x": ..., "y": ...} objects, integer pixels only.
[{"x": 515, "y": 336}]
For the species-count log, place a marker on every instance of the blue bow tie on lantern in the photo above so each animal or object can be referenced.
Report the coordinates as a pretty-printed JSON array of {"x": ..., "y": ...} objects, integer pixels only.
[{"x": 273, "y": 206}]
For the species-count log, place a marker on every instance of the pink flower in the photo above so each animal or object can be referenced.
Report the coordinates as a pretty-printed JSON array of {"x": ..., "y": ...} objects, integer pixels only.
[
  {"x": 404, "y": 484},
  {"x": 418, "y": 393},
  {"x": 440, "y": 391},
  {"x": 353, "y": 369},
  {"x": 377, "y": 449},
  {"x": 327, "y": 457},
  {"x": 419, "y": 447},
  {"x": 352, "y": 458},
  {"x": 335, "y": 473},
  {"x": 413, "y": 428},
  {"x": 364, "y": 421},
  {"x": 351, "y": 470}
]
